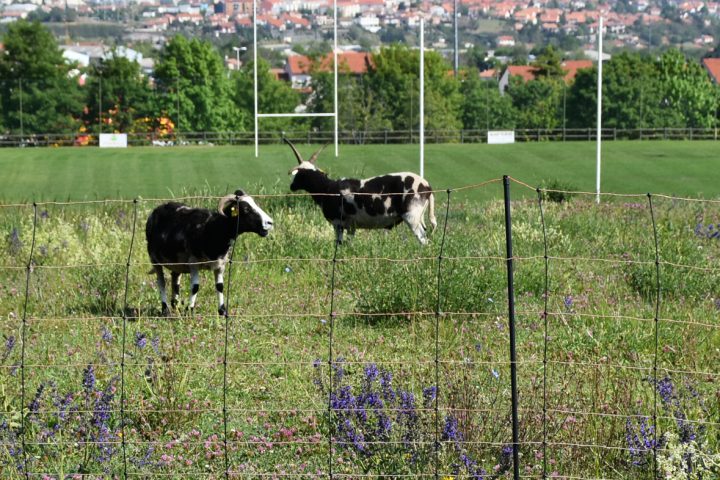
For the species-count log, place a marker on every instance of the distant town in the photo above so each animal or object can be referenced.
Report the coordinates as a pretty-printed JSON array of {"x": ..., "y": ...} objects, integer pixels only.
[{"x": 491, "y": 33}]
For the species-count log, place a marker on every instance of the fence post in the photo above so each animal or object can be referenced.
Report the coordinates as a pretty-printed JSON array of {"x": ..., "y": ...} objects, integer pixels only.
[
  {"x": 546, "y": 294},
  {"x": 658, "y": 292},
  {"x": 123, "y": 444},
  {"x": 511, "y": 321},
  {"x": 23, "y": 342},
  {"x": 438, "y": 315},
  {"x": 331, "y": 339}
]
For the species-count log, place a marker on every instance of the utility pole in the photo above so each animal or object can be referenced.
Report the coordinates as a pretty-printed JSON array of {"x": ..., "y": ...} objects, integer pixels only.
[
  {"x": 100, "y": 115},
  {"x": 455, "y": 27}
]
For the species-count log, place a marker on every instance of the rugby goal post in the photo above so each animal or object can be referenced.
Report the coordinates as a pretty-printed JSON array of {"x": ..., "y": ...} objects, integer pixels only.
[{"x": 259, "y": 115}]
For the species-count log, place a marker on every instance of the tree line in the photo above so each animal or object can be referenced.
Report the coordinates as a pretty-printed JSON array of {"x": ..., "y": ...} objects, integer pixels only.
[{"x": 190, "y": 90}]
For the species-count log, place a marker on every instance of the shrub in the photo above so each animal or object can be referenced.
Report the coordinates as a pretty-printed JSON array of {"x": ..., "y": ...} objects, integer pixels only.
[{"x": 557, "y": 191}]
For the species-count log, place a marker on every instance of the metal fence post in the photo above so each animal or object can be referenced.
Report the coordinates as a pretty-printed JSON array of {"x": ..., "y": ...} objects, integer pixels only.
[{"x": 511, "y": 321}]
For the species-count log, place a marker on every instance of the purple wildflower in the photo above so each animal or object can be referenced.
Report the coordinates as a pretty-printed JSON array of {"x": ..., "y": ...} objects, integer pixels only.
[
  {"x": 14, "y": 241},
  {"x": 665, "y": 389},
  {"x": 339, "y": 370},
  {"x": 371, "y": 372},
  {"x": 450, "y": 432},
  {"x": 107, "y": 335},
  {"x": 35, "y": 404},
  {"x": 89, "y": 379},
  {"x": 686, "y": 431},
  {"x": 140, "y": 340},
  {"x": 384, "y": 426},
  {"x": 386, "y": 386},
  {"x": 9, "y": 345},
  {"x": 429, "y": 395},
  {"x": 640, "y": 439}
]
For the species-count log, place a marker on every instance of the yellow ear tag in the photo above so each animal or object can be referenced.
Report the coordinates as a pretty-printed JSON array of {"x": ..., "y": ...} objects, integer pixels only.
[{"x": 234, "y": 212}]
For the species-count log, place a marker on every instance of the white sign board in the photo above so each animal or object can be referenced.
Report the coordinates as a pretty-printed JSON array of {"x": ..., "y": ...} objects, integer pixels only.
[
  {"x": 501, "y": 136},
  {"x": 113, "y": 140}
]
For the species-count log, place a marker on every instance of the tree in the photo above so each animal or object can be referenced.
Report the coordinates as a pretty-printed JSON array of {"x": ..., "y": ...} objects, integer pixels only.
[
  {"x": 549, "y": 63},
  {"x": 274, "y": 96},
  {"x": 483, "y": 107},
  {"x": 688, "y": 95},
  {"x": 359, "y": 107},
  {"x": 537, "y": 102},
  {"x": 631, "y": 94},
  {"x": 193, "y": 87},
  {"x": 117, "y": 87},
  {"x": 394, "y": 79},
  {"x": 42, "y": 82},
  {"x": 475, "y": 57}
]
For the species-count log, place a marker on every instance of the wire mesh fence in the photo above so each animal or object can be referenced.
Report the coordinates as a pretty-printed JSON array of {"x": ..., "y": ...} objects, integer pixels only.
[{"x": 376, "y": 358}]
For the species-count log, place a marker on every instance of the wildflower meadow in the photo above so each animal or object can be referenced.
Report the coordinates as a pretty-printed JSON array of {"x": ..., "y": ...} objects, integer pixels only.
[{"x": 379, "y": 358}]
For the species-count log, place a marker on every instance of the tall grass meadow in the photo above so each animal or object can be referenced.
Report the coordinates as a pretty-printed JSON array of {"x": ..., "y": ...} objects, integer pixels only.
[{"x": 391, "y": 360}]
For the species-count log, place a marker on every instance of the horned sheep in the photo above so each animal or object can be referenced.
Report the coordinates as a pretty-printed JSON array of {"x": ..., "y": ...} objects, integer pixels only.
[
  {"x": 187, "y": 240},
  {"x": 383, "y": 201}
]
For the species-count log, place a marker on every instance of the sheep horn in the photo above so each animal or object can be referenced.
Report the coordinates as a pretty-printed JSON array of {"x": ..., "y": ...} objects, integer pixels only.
[
  {"x": 224, "y": 201},
  {"x": 297, "y": 154},
  {"x": 314, "y": 156}
]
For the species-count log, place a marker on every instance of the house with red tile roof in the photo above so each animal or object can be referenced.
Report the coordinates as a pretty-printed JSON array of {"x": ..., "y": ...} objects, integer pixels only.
[
  {"x": 505, "y": 41},
  {"x": 299, "y": 67},
  {"x": 489, "y": 74},
  {"x": 502, "y": 10},
  {"x": 529, "y": 73},
  {"x": 295, "y": 21},
  {"x": 551, "y": 15},
  {"x": 571, "y": 68},
  {"x": 575, "y": 17},
  {"x": 527, "y": 15},
  {"x": 243, "y": 21},
  {"x": 712, "y": 65}
]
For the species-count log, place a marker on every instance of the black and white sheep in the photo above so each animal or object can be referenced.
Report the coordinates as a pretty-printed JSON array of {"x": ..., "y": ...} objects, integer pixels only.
[
  {"x": 187, "y": 240},
  {"x": 377, "y": 202}
]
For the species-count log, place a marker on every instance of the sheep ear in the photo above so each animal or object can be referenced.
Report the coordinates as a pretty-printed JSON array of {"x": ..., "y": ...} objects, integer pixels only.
[
  {"x": 297, "y": 154},
  {"x": 240, "y": 193},
  {"x": 314, "y": 156}
]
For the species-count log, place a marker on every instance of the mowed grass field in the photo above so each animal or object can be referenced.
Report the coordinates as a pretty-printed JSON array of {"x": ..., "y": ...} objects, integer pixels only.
[
  {"x": 356, "y": 365},
  {"x": 670, "y": 167}
]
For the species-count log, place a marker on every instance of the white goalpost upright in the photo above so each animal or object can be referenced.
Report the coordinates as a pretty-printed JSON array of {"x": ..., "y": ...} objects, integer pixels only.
[
  {"x": 599, "y": 110},
  {"x": 334, "y": 113},
  {"x": 422, "y": 97}
]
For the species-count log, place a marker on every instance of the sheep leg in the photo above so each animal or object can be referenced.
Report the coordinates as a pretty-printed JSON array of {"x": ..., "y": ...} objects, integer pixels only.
[
  {"x": 338, "y": 234},
  {"x": 194, "y": 286},
  {"x": 175, "y": 288},
  {"x": 219, "y": 287},
  {"x": 161, "y": 286}
]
